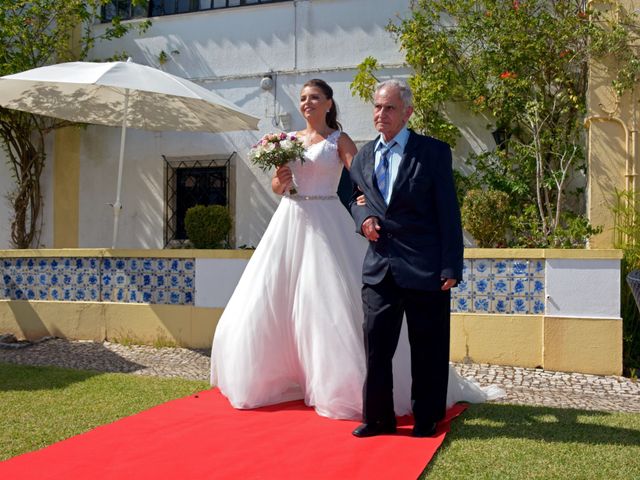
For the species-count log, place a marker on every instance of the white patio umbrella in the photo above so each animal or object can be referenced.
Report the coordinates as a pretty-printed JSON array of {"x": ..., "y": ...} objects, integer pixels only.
[{"x": 121, "y": 93}]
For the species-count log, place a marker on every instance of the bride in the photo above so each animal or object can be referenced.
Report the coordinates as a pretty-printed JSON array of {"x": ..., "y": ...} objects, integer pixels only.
[{"x": 293, "y": 326}]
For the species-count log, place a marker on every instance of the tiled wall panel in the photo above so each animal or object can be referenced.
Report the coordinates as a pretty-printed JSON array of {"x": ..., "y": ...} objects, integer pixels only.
[
  {"x": 509, "y": 286},
  {"x": 126, "y": 280}
]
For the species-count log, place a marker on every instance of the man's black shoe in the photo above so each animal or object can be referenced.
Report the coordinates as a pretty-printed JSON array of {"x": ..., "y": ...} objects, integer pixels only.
[
  {"x": 427, "y": 430},
  {"x": 373, "y": 429}
]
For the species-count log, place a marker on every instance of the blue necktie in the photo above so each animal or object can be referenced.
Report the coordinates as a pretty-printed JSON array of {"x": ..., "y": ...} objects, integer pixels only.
[{"x": 382, "y": 172}]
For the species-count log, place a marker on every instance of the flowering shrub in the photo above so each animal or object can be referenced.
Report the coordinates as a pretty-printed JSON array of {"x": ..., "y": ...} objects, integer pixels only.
[{"x": 524, "y": 65}]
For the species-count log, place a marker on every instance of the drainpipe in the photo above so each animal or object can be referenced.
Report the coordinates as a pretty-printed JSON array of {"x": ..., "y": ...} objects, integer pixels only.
[
  {"x": 634, "y": 142},
  {"x": 295, "y": 35}
]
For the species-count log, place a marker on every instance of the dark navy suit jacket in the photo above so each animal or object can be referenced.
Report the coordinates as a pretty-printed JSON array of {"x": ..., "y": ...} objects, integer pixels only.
[{"x": 421, "y": 234}]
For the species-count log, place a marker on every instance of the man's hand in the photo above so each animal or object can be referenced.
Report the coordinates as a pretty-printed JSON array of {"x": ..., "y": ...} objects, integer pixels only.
[
  {"x": 448, "y": 283},
  {"x": 370, "y": 228},
  {"x": 361, "y": 200}
]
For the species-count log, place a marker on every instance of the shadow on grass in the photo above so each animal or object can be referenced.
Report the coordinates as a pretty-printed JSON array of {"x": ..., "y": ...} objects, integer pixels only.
[
  {"x": 550, "y": 425},
  {"x": 83, "y": 360},
  {"x": 20, "y": 378},
  {"x": 490, "y": 421},
  {"x": 59, "y": 352}
]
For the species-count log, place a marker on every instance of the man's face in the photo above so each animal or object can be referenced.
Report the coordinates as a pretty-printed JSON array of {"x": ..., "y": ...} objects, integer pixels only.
[{"x": 389, "y": 112}]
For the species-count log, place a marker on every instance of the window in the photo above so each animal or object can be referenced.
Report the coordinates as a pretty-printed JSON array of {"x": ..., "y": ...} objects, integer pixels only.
[
  {"x": 193, "y": 181},
  {"x": 123, "y": 9},
  {"x": 154, "y": 8}
]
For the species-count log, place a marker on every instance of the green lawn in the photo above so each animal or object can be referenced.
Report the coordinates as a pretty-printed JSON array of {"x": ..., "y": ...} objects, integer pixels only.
[
  {"x": 42, "y": 405},
  {"x": 494, "y": 441}
]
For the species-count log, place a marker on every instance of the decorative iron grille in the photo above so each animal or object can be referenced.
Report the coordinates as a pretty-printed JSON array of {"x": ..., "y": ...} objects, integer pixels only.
[{"x": 190, "y": 182}]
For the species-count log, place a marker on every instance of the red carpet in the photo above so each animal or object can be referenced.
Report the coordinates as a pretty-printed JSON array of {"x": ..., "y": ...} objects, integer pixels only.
[{"x": 203, "y": 437}]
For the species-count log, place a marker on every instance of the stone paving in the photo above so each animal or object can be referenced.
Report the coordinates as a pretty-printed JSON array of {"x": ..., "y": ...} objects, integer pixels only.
[{"x": 523, "y": 386}]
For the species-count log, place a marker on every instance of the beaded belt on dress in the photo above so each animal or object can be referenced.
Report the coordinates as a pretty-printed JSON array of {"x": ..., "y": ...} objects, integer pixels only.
[{"x": 313, "y": 197}]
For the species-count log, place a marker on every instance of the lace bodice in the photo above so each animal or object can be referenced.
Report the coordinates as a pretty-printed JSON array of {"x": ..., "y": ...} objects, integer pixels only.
[{"x": 321, "y": 170}]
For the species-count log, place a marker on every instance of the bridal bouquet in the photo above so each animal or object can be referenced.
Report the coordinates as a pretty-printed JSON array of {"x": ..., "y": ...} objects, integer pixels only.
[{"x": 275, "y": 150}]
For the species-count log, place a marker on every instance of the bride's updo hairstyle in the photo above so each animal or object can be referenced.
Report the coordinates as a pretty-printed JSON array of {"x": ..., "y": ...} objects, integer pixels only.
[{"x": 332, "y": 114}]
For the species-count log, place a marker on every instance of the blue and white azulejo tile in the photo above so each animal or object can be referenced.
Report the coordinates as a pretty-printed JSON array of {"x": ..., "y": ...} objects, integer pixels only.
[
  {"x": 128, "y": 280},
  {"x": 502, "y": 286}
]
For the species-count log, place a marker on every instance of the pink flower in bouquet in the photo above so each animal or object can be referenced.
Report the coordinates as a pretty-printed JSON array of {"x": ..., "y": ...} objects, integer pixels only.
[{"x": 275, "y": 150}]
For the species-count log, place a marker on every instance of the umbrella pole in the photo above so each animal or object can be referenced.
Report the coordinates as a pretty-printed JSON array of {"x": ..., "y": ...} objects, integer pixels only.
[{"x": 117, "y": 206}]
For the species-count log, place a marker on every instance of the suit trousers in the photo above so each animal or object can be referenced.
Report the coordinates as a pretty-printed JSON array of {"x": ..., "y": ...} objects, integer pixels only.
[{"x": 428, "y": 323}]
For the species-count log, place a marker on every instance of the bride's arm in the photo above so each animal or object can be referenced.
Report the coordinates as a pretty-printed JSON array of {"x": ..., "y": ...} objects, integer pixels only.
[{"x": 346, "y": 149}]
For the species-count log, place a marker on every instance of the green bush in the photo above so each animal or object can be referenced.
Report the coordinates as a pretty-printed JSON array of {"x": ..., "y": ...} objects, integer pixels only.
[
  {"x": 207, "y": 226},
  {"x": 627, "y": 238},
  {"x": 485, "y": 215},
  {"x": 573, "y": 230},
  {"x": 630, "y": 320}
]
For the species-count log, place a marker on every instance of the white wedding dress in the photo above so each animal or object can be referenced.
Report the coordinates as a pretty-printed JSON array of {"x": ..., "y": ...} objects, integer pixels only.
[{"x": 293, "y": 326}]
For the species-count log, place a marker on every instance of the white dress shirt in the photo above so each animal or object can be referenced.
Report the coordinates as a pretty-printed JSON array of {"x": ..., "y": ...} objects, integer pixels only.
[{"x": 395, "y": 156}]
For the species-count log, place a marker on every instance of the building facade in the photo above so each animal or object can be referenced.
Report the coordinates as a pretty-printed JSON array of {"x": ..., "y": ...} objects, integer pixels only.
[
  {"x": 255, "y": 54},
  {"x": 258, "y": 54}
]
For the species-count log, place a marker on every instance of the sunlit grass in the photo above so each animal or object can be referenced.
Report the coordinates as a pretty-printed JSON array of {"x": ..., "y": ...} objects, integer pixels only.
[
  {"x": 495, "y": 441},
  {"x": 42, "y": 405}
]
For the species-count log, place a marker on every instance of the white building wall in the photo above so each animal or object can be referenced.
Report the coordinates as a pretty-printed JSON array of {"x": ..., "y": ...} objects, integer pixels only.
[
  {"x": 583, "y": 288},
  {"x": 229, "y": 51},
  {"x": 216, "y": 279},
  {"x": 574, "y": 287}
]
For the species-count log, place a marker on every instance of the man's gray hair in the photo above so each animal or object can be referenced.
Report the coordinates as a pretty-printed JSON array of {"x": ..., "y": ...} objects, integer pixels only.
[{"x": 405, "y": 91}]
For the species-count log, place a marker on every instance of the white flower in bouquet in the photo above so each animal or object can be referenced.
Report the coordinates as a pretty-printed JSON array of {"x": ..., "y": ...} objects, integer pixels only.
[{"x": 275, "y": 150}]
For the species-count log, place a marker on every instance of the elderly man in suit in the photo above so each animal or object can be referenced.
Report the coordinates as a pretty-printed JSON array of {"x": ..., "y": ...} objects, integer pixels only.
[{"x": 411, "y": 218}]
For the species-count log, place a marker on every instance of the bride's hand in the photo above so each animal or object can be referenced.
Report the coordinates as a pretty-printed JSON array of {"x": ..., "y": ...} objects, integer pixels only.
[
  {"x": 282, "y": 179},
  {"x": 361, "y": 200}
]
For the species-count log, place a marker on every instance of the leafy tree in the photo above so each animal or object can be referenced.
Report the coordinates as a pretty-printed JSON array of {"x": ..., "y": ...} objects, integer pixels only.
[
  {"x": 525, "y": 65},
  {"x": 34, "y": 33}
]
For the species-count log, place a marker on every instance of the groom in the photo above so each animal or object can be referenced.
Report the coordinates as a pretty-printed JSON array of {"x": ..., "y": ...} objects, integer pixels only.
[{"x": 412, "y": 221}]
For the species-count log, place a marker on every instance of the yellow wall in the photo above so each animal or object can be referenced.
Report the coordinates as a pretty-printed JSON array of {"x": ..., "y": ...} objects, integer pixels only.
[
  {"x": 612, "y": 125},
  {"x": 583, "y": 344},
  {"x": 554, "y": 343},
  {"x": 186, "y": 326},
  {"x": 66, "y": 187},
  {"x": 563, "y": 344},
  {"x": 497, "y": 339}
]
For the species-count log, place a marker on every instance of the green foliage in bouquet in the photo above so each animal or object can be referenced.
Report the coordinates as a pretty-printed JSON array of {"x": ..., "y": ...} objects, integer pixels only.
[{"x": 207, "y": 226}]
